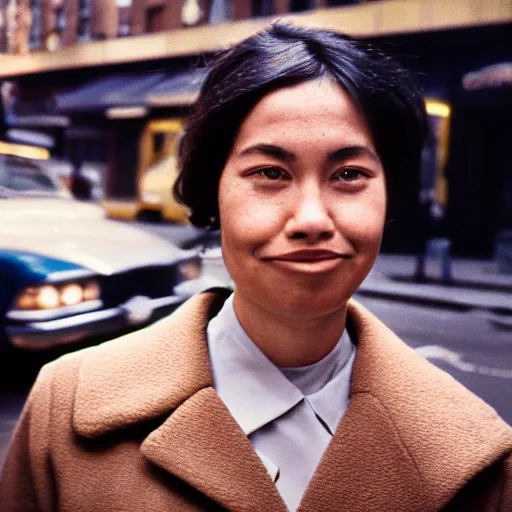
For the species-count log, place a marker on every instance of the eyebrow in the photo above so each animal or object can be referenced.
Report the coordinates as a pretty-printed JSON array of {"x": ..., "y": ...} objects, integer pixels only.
[
  {"x": 270, "y": 150},
  {"x": 338, "y": 155},
  {"x": 352, "y": 151}
]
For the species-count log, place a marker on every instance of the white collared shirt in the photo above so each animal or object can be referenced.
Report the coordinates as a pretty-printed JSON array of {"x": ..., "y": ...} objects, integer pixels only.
[{"x": 288, "y": 414}]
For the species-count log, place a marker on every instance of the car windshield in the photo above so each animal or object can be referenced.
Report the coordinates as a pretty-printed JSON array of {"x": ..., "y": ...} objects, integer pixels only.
[{"x": 20, "y": 177}]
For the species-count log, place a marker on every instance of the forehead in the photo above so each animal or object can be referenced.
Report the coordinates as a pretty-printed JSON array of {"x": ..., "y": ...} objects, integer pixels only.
[{"x": 318, "y": 110}]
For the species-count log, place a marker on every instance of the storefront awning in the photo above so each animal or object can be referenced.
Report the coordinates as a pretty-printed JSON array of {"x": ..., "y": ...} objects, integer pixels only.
[
  {"x": 177, "y": 90},
  {"x": 132, "y": 90},
  {"x": 126, "y": 90}
]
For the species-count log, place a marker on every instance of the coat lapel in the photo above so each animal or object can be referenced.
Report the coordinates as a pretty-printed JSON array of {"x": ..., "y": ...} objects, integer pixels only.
[
  {"x": 365, "y": 467},
  {"x": 202, "y": 444},
  {"x": 145, "y": 374},
  {"x": 411, "y": 437}
]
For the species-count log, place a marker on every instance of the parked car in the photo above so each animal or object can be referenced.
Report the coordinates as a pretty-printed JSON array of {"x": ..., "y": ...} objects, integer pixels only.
[{"x": 68, "y": 273}]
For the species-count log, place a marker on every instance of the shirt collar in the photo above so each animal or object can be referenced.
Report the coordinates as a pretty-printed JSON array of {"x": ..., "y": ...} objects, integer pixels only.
[
  {"x": 255, "y": 390},
  {"x": 326, "y": 383},
  {"x": 330, "y": 403},
  {"x": 251, "y": 386}
]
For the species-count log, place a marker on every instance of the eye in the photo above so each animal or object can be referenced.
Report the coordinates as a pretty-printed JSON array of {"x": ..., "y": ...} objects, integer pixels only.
[
  {"x": 349, "y": 174},
  {"x": 272, "y": 173}
]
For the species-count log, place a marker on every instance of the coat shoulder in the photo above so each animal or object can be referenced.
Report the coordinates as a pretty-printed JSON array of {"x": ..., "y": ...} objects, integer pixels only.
[
  {"x": 147, "y": 373},
  {"x": 450, "y": 433},
  {"x": 408, "y": 383}
]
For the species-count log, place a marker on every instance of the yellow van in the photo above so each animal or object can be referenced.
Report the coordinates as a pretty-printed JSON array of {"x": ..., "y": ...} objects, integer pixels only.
[
  {"x": 156, "y": 199},
  {"x": 156, "y": 174}
]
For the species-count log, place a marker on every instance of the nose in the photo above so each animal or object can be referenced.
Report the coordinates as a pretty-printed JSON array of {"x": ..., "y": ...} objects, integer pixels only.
[{"x": 310, "y": 219}]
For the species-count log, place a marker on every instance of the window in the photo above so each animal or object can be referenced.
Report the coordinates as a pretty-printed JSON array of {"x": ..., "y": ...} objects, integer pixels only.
[
  {"x": 84, "y": 20},
  {"x": 124, "y": 20},
  {"x": 154, "y": 19},
  {"x": 20, "y": 176},
  {"x": 35, "y": 30},
  {"x": 124, "y": 30},
  {"x": 60, "y": 13}
]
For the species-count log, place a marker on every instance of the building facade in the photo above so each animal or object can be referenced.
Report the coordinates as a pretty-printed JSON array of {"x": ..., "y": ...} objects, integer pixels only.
[
  {"x": 55, "y": 24},
  {"x": 118, "y": 102}
]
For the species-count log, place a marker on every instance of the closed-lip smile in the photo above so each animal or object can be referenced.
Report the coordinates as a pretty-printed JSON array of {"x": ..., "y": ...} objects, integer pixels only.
[{"x": 308, "y": 255}]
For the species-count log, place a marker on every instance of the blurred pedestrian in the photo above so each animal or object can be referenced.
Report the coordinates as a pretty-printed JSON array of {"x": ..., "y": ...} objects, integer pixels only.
[
  {"x": 80, "y": 186},
  {"x": 431, "y": 228},
  {"x": 286, "y": 394}
]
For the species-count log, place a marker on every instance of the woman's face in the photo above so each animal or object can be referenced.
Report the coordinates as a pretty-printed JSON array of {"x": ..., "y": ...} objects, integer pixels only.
[{"x": 302, "y": 202}]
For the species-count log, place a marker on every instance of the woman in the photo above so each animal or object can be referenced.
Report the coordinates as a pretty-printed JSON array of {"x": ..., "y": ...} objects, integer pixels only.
[{"x": 286, "y": 394}]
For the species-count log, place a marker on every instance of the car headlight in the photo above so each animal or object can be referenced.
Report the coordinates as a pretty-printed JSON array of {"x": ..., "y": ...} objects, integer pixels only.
[
  {"x": 71, "y": 294},
  {"x": 52, "y": 296},
  {"x": 47, "y": 297},
  {"x": 151, "y": 198}
]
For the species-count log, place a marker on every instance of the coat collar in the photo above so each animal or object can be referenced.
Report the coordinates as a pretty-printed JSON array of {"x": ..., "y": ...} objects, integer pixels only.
[
  {"x": 150, "y": 372},
  {"x": 412, "y": 436}
]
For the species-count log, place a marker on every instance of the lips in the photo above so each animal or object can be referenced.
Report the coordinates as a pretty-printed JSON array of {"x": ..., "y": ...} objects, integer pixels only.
[{"x": 308, "y": 256}]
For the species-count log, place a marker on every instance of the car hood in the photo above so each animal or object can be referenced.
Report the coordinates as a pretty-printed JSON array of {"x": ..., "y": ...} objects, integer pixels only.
[{"x": 79, "y": 232}]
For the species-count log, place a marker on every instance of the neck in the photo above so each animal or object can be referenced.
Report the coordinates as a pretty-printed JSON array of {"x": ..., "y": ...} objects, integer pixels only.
[{"x": 286, "y": 341}]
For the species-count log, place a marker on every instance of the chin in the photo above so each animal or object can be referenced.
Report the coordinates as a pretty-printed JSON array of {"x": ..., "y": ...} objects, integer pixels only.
[{"x": 306, "y": 302}]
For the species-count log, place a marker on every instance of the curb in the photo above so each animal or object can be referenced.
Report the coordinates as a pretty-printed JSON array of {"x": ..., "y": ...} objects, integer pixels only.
[{"x": 498, "y": 310}]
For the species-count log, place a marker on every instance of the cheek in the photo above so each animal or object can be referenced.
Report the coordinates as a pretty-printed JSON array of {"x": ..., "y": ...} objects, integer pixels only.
[
  {"x": 246, "y": 220},
  {"x": 362, "y": 220}
]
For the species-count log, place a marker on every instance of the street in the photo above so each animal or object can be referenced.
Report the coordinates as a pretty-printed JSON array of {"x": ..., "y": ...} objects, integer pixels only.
[{"x": 465, "y": 344}]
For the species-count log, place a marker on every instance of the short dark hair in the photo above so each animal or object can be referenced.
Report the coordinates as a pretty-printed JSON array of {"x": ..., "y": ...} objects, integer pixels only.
[{"x": 280, "y": 56}]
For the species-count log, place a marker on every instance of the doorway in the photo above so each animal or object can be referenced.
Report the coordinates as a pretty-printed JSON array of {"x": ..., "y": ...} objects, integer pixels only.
[{"x": 480, "y": 177}]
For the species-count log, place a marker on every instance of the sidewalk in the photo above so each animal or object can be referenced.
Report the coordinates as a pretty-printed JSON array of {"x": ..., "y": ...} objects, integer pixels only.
[{"x": 476, "y": 285}]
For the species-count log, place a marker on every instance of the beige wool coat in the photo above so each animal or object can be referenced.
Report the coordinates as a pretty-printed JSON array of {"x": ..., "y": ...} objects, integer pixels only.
[{"x": 135, "y": 425}]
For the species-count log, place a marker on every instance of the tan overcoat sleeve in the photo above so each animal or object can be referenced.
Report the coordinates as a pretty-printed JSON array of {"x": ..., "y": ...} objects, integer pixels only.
[
  {"x": 26, "y": 482},
  {"x": 506, "y": 502}
]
